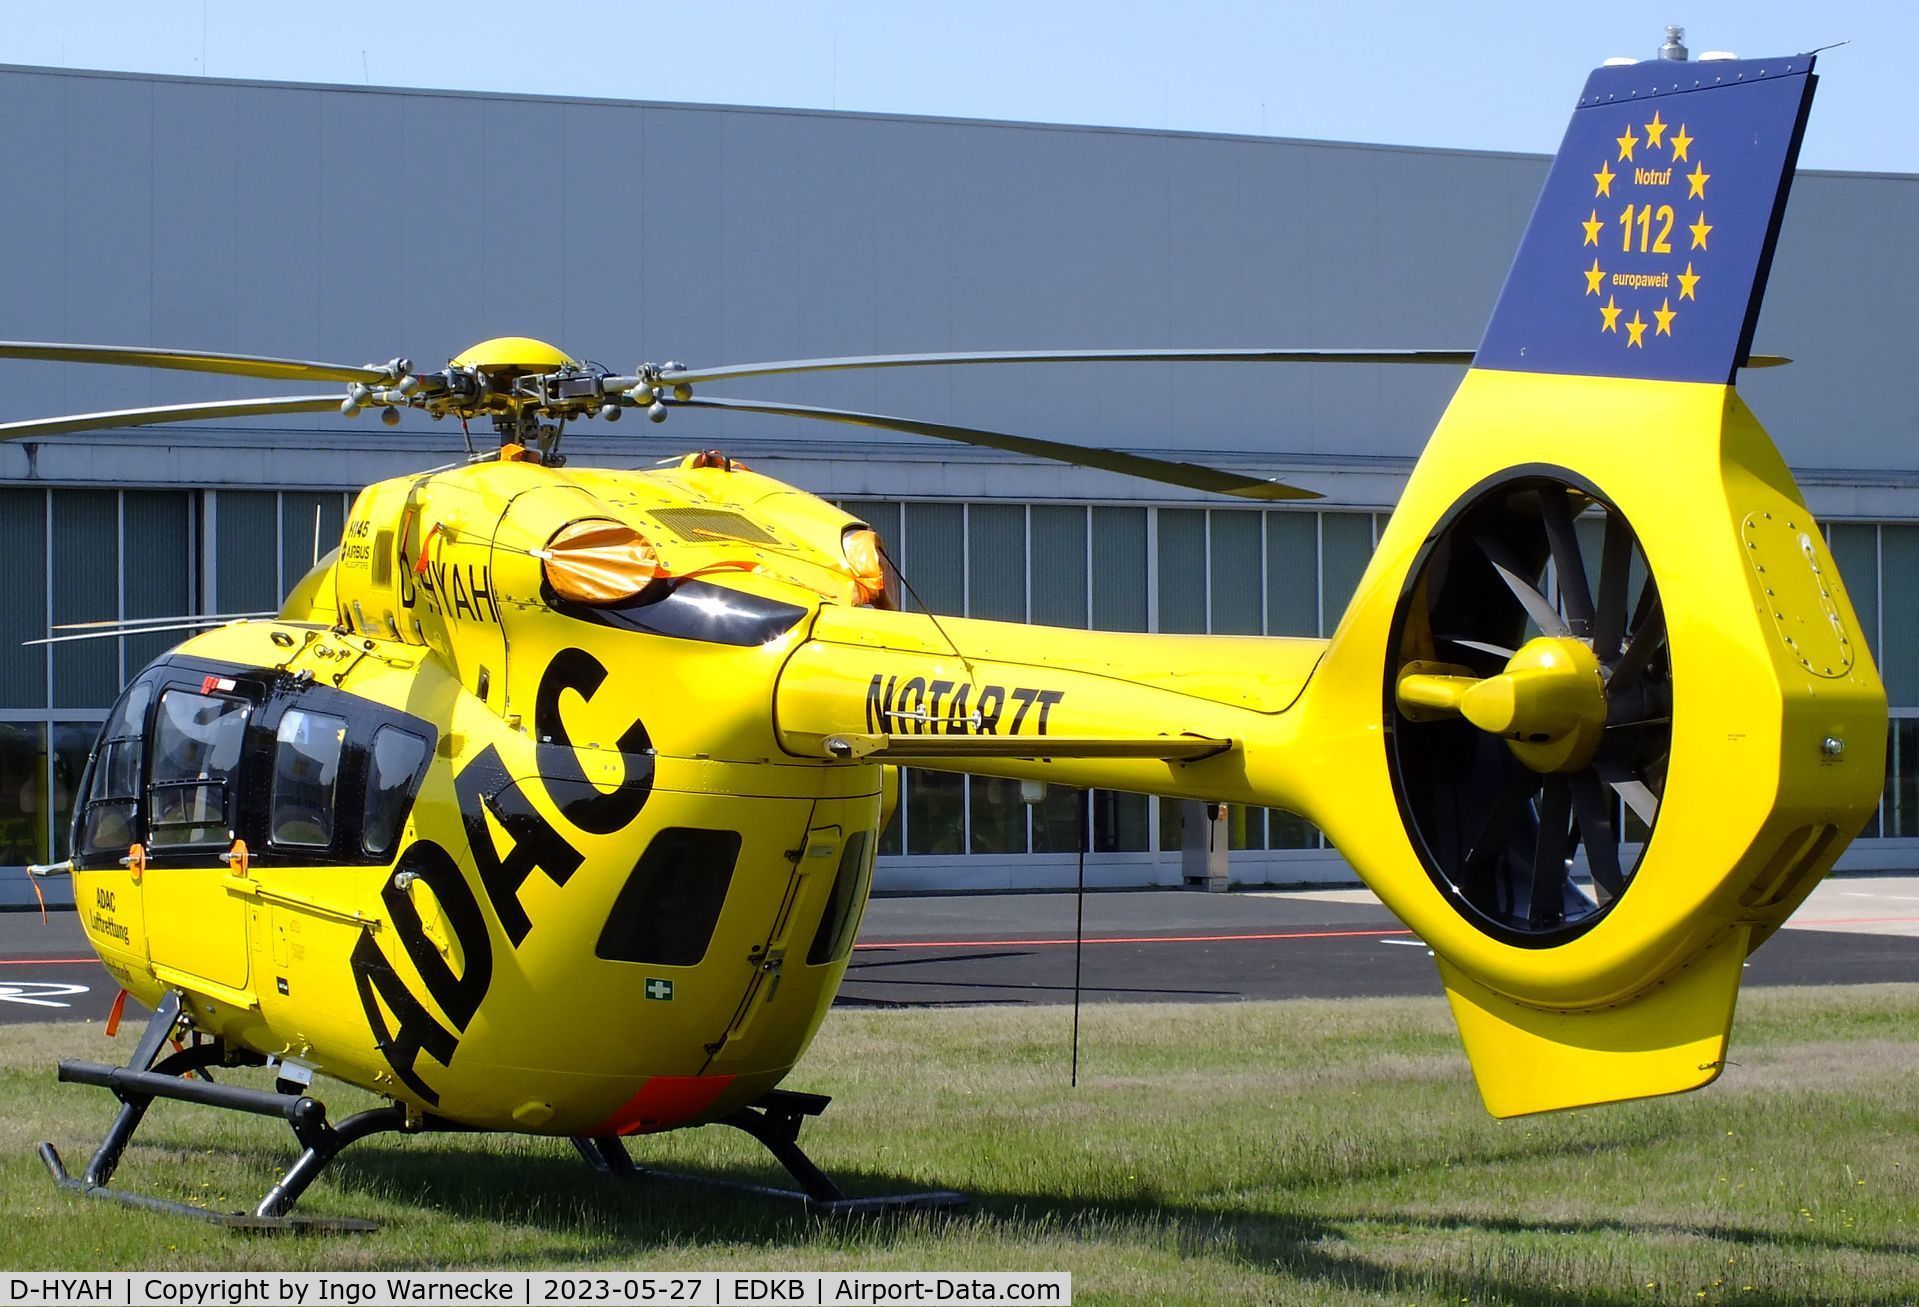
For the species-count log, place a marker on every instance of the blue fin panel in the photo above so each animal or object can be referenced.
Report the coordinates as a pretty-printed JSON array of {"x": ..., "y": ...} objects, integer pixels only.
[{"x": 1648, "y": 252}]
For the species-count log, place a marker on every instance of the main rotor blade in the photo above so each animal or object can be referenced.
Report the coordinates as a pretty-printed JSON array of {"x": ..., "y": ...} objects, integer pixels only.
[
  {"x": 140, "y": 417},
  {"x": 189, "y": 360},
  {"x": 122, "y": 633},
  {"x": 131, "y": 625},
  {"x": 785, "y": 367},
  {"x": 1191, "y": 475}
]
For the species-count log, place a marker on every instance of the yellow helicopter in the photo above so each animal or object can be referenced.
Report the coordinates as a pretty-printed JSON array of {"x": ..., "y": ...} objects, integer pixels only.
[{"x": 548, "y": 801}]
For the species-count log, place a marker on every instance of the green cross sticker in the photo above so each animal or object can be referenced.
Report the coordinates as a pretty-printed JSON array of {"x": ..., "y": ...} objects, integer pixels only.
[{"x": 659, "y": 989}]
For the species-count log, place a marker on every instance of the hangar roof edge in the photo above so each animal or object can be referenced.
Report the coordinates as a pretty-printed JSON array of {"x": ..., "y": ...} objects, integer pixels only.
[
  {"x": 870, "y": 116},
  {"x": 865, "y": 115}
]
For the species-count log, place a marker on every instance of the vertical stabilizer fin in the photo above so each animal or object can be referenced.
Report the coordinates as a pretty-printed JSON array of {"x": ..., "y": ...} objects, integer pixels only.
[{"x": 1648, "y": 252}]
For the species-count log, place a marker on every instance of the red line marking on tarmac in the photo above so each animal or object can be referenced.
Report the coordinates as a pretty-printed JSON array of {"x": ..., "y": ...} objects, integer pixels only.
[
  {"x": 1127, "y": 939},
  {"x": 44, "y": 962}
]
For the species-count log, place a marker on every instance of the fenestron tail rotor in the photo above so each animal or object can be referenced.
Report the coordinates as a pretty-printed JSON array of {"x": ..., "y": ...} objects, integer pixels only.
[{"x": 1531, "y": 707}]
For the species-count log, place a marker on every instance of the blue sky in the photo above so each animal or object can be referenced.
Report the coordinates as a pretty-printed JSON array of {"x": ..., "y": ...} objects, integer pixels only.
[{"x": 1496, "y": 76}]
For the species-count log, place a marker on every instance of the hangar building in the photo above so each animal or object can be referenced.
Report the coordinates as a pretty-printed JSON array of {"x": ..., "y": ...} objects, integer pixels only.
[{"x": 354, "y": 224}]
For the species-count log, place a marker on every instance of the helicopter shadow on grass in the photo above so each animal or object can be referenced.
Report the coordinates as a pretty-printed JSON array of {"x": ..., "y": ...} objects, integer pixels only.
[
  {"x": 1288, "y": 1248},
  {"x": 1303, "y": 1249},
  {"x": 972, "y": 991},
  {"x": 586, "y": 1213}
]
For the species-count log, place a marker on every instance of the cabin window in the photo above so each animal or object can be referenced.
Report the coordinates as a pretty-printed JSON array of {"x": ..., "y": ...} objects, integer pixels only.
[
  {"x": 841, "y": 921},
  {"x": 196, "y": 750},
  {"x": 112, "y": 799},
  {"x": 393, "y": 765},
  {"x": 671, "y": 903},
  {"x": 306, "y": 773}
]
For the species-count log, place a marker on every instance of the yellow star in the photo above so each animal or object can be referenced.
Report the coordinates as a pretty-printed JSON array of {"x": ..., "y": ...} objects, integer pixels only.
[
  {"x": 1699, "y": 230},
  {"x": 1665, "y": 315},
  {"x": 1604, "y": 179},
  {"x": 1611, "y": 314},
  {"x": 1687, "y": 280},
  {"x": 1680, "y": 144},
  {"x": 1655, "y": 132},
  {"x": 1592, "y": 226},
  {"x": 1698, "y": 177},
  {"x": 1636, "y": 331},
  {"x": 1593, "y": 277},
  {"x": 1626, "y": 143}
]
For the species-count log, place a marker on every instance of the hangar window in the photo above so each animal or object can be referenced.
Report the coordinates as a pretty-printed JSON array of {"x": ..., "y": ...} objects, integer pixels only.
[{"x": 669, "y": 906}]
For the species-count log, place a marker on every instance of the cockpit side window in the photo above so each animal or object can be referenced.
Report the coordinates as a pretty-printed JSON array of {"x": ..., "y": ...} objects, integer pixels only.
[
  {"x": 392, "y": 769},
  {"x": 306, "y": 774},
  {"x": 110, "y": 807},
  {"x": 196, "y": 751}
]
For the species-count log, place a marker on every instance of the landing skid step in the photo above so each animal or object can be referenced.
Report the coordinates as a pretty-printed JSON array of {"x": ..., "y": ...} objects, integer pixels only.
[
  {"x": 149, "y": 1076},
  {"x": 775, "y": 1121},
  {"x": 243, "y": 1221}
]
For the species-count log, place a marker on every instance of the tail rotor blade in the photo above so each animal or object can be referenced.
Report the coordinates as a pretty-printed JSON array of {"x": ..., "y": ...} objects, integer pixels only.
[
  {"x": 1593, "y": 809},
  {"x": 1545, "y": 897},
  {"x": 1615, "y": 565},
  {"x": 1638, "y": 796},
  {"x": 1490, "y": 843},
  {"x": 1537, "y": 606},
  {"x": 1481, "y": 646},
  {"x": 1647, "y": 638},
  {"x": 1573, "y": 590}
]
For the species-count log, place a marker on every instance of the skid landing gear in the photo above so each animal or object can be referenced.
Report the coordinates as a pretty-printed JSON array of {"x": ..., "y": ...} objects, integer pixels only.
[
  {"x": 144, "y": 1079},
  {"x": 775, "y": 1121}
]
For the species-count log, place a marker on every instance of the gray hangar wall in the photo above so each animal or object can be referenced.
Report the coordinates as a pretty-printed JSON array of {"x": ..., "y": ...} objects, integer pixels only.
[{"x": 356, "y": 224}]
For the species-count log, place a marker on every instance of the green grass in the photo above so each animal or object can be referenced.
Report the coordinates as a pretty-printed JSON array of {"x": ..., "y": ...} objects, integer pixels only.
[{"x": 1303, "y": 1152}]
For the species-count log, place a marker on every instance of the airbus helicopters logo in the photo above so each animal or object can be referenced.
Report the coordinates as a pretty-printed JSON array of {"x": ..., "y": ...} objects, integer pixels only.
[
  {"x": 484, "y": 786},
  {"x": 1652, "y": 237}
]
